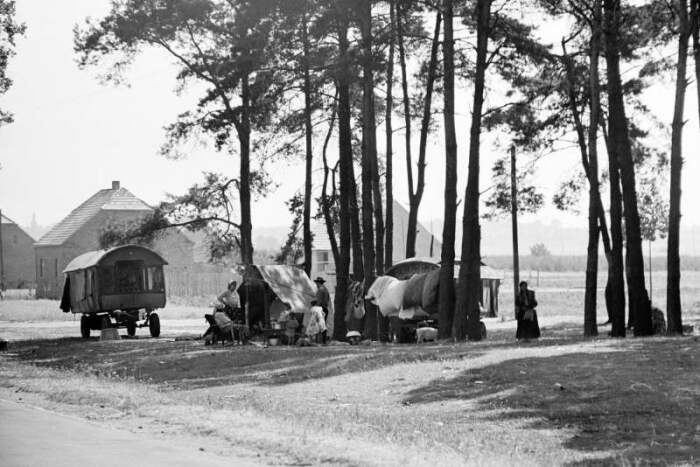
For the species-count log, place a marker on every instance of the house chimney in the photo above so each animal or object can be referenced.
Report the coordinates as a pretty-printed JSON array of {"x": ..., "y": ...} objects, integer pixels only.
[{"x": 115, "y": 185}]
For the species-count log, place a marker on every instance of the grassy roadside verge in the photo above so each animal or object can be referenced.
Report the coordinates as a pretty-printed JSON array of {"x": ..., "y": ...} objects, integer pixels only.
[
  {"x": 560, "y": 401},
  {"x": 222, "y": 427}
]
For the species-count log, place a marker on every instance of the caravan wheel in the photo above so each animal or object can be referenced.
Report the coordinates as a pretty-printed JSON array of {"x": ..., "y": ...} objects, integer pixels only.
[
  {"x": 154, "y": 325},
  {"x": 131, "y": 328},
  {"x": 85, "y": 326},
  {"x": 482, "y": 330}
]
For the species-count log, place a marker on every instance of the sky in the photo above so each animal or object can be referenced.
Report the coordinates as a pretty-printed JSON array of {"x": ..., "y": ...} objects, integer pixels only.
[{"x": 73, "y": 135}]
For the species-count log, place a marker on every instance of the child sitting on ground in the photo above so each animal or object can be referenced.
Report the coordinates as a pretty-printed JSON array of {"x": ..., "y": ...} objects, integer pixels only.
[{"x": 290, "y": 325}]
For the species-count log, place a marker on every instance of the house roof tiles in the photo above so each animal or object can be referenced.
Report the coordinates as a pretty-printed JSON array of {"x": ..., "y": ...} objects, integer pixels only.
[{"x": 116, "y": 199}]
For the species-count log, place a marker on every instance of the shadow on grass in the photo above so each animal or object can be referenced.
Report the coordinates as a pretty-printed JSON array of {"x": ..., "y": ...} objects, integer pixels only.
[
  {"x": 191, "y": 365},
  {"x": 639, "y": 401}
]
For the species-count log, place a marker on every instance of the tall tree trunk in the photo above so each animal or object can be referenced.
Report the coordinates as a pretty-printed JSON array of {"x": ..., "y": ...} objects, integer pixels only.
[
  {"x": 514, "y": 222},
  {"x": 469, "y": 290},
  {"x": 382, "y": 322},
  {"x": 378, "y": 216},
  {"x": 590, "y": 327},
  {"x": 244, "y": 140},
  {"x": 589, "y": 160},
  {"x": 615, "y": 287},
  {"x": 358, "y": 270},
  {"x": 389, "y": 225},
  {"x": 369, "y": 162},
  {"x": 326, "y": 203},
  {"x": 410, "y": 236},
  {"x": 417, "y": 197},
  {"x": 446, "y": 299},
  {"x": 695, "y": 30},
  {"x": 615, "y": 290},
  {"x": 620, "y": 145},
  {"x": 346, "y": 179},
  {"x": 309, "y": 153},
  {"x": 673, "y": 290}
]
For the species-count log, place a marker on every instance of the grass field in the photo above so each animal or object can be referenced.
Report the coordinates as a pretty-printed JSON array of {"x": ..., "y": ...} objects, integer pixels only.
[{"x": 562, "y": 400}]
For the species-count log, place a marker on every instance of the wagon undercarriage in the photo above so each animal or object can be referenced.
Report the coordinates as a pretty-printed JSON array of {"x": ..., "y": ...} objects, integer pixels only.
[{"x": 128, "y": 319}]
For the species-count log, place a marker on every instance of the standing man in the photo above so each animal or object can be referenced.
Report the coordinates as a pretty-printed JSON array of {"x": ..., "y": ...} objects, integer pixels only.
[{"x": 323, "y": 299}]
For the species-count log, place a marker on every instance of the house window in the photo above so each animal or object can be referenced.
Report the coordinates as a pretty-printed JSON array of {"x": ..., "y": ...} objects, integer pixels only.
[
  {"x": 323, "y": 262},
  {"x": 41, "y": 267},
  {"x": 55, "y": 267}
]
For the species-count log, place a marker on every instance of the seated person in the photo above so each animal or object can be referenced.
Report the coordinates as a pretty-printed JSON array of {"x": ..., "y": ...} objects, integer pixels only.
[
  {"x": 220, "y": 328},
  {"x": 225, "y": 324},
  {"x": 229, "y": 298}
]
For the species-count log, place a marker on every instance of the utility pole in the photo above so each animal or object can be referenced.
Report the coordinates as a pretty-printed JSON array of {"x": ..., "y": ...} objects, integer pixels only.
[
  {"x": 651, "y": 284},
  {"x": 2, "y": 260},
  {"x": 514, "y": 219}
]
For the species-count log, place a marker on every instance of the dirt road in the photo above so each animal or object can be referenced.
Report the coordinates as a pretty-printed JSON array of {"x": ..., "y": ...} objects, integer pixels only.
[{"x": 35, "y": 437}]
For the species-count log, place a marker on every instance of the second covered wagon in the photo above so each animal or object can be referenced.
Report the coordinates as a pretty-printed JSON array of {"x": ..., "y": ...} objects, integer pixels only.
[{"x": 117, "y": 287}]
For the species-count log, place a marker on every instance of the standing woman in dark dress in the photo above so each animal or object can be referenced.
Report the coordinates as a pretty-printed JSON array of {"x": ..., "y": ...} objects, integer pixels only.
[{"x": 528, "y": 327}]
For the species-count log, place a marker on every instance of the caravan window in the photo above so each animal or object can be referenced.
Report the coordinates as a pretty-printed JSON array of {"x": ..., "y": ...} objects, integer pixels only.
[
  {"x": 154, "y": 279},
  {"x": 77, "y": 284},
  {"x": 128, "y": 276}
]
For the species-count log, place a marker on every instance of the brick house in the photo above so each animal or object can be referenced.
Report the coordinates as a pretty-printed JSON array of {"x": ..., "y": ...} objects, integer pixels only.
[
  {"x": 80, "y": 231},
  {"x": 16, "y": 256}
]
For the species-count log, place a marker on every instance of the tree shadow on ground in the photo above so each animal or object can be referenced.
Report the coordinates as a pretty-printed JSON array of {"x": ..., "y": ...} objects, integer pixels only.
[
  {"x": 191, "y": 365},
  {"x": 641, "y": 402}
]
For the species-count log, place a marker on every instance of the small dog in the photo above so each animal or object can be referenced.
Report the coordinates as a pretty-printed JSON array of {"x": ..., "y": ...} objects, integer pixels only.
[{"x": 426, "y": 334}]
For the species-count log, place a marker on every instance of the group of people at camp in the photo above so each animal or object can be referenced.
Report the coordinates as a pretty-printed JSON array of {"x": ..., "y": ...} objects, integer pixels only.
[
  {"x": 388, "y": 294},
  {"x": 312, "y": 328}
]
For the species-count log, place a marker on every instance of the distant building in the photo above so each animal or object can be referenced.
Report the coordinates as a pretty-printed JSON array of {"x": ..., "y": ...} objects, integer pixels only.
[
  {"x": 16, "y": 256},
  {"x": 79, "y": 232},
  {"x": 322, "y": 263}
]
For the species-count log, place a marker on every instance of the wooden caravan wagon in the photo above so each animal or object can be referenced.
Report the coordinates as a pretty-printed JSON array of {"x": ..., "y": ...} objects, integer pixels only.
[
  {"x": 116, "y": 288},
  {"x": 403, "y": 329},
  {"x": 490, "y": 279}
]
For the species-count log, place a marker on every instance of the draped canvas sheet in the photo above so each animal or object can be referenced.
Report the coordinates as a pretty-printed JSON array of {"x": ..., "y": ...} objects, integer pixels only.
[
  {"x": 430, "y": 289},
  {"x": 413, "y": 297},
  {"x": 406, "y": 299},
  {"x": 291, "y": 285},
  {"x": 387, "y": 293}
]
